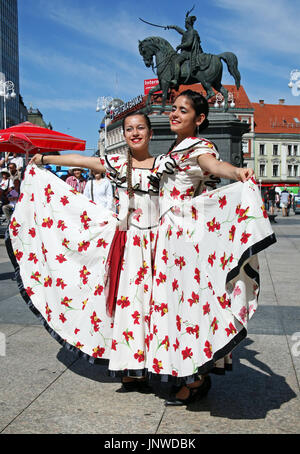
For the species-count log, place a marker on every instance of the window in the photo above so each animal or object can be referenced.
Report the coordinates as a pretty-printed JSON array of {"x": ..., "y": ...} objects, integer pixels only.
[
  {"x": 275, "y": 150},
  {"x": 290, "y": 171},
  {"x": 275, "y": 170},
  {"x": 289, "y": 151},
  {"x": 295, "y": 150},
  {"x": 245, "y": 147},
  {"x": 261, "y": 149},
  {"x": 296, "y": 170},
  {"x": 262, "y": 170}
]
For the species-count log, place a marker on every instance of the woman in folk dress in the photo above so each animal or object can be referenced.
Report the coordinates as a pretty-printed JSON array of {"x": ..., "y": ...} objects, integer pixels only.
[
  {"x": 63, "y": 247},
  {"x": 206, "y": 270}
]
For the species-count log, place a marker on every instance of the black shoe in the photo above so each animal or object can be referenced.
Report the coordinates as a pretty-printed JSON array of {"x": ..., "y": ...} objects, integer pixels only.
[
  {"x": 195, "y": 394},
  {"x": 136, "y": 385}
]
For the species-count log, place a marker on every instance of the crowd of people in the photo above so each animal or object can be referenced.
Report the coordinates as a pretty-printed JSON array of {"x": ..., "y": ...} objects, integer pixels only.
[
  {"x": 11, "y": 169},
  {"x": 282, "y": 200}
]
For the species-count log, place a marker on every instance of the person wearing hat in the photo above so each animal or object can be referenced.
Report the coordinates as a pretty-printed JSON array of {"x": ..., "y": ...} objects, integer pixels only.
[
  {"x": 76, "y": 180},
  {"x": 8, "y": 194},
  {"x": 5, "y": 179},
  {"x": 13, "y": 158}
]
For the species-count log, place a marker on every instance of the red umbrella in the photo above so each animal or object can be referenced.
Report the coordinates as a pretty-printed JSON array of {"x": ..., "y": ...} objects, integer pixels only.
[{"x": 29, "y": 138}]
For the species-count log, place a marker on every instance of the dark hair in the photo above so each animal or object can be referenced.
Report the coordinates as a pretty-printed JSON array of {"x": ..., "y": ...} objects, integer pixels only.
[
  {"x": 199, "y": 104},
  {"x": 133, "y": 114}
]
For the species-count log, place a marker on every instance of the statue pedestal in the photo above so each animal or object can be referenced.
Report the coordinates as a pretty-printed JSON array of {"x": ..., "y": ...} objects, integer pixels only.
[{"x": 224, "y": 130}]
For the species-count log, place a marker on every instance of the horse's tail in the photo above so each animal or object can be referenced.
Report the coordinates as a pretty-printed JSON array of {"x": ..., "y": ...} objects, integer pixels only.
[{"x": 232, "y": 65}]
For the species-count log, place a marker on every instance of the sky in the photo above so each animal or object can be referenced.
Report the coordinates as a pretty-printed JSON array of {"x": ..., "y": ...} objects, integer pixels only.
[{"x": 72, "y": 52}]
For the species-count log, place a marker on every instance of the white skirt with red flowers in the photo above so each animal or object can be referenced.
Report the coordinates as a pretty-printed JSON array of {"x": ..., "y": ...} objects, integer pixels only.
[
  {"x": 206, "y": 284},
  {"x": 59, "y": 242}
]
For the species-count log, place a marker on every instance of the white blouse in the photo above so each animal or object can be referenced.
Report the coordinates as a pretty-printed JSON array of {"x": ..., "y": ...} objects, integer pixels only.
[{"x": 102, "y": 191}]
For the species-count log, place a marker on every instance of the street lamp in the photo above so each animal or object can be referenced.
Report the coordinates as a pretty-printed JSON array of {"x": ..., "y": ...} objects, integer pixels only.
[
  {"x": 105, "y": 103},
  {"x": 7, "y": 91}
]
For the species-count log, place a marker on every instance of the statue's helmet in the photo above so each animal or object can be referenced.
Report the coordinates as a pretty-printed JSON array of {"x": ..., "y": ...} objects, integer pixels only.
[{"x": 190, "y": 19}]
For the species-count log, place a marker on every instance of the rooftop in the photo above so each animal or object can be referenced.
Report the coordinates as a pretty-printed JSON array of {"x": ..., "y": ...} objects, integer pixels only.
[
  {"x": 276, "y": 118},
  {"x": 240, "y": 97}
]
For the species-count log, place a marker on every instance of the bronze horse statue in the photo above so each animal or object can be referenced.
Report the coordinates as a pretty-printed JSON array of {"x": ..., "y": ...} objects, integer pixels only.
[{"x": 210, "y": 77}]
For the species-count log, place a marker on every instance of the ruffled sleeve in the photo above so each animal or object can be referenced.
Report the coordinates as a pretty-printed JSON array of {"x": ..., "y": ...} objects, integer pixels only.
[
  {"x": 204, "y": 147},
  {"x": 116, "y": 166},
  {"x": 184, "y": 158}
]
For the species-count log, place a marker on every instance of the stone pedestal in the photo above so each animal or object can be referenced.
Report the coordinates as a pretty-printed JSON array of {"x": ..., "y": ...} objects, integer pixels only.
[{"x": 226, "y": 132}]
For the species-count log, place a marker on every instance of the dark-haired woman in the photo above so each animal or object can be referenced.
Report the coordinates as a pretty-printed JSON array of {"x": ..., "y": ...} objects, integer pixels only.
[
  {"x": 206, "y": 271},
  {"x": 84, "y": 271}
]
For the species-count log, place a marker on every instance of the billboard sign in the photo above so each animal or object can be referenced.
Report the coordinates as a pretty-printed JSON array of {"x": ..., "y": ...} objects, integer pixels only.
[{"x": 150, "y": 83}]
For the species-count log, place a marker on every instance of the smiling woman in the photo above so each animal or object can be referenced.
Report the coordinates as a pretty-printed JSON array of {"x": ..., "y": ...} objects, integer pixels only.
[
  {"x": 90, "y": 277},
  {"x": 206, "y": 268}
]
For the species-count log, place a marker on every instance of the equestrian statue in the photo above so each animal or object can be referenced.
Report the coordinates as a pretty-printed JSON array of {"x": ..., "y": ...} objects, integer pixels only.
[{"x": 188, "y": 67}]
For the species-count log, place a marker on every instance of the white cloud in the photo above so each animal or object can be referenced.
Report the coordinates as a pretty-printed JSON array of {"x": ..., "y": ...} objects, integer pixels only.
[
  {"x": 57, "y": 62},
  {"x": 64, "y": 104},
  {"x": 116, "y": 30},
  {"x": 265, "y": 25}
]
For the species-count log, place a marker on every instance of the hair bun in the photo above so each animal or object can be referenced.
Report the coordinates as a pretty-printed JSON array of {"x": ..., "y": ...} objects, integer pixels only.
[{"x": 203, "y": 125}]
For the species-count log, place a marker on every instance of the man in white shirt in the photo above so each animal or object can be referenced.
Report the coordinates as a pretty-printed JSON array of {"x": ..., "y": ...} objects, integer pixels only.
[
  {"x": 14, "y": 158},
  {"x": 100, "y": 190}
]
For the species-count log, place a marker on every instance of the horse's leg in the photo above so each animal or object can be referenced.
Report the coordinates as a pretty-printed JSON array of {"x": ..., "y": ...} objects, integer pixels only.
[
  {"x": 225, "y": 94},
  {"x": 165, "y": 88},
  {"x": 151, "y": 92},
  {"x": 208, "y": 88},
  {"x": 219, "y": 87}
]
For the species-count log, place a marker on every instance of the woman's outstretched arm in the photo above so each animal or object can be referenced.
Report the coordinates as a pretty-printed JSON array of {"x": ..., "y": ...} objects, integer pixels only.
[
  {"x": 223, "y": 169},
  {"x": 70, "y": 160}
]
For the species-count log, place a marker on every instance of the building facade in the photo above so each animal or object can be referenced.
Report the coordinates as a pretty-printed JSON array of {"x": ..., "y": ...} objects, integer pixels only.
[
  {"x": 9, "y": 59},
  {"x": 35, "y": 117},
  {"x": 277, "y": 144}
]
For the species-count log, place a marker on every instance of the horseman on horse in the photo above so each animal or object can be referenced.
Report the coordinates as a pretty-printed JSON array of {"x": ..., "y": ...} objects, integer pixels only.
[
  {"x": 191, "y": 50},
  {"x": 191, "y": 66}
]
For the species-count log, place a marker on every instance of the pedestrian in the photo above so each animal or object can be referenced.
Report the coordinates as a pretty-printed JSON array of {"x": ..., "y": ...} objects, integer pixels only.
[
  {"x": 266, "y": 199},
  {"x": 15, "y": 176},
  {"x": 272, "y": 196},
  {"x": 76, "y": 180},
  {"x": 87, "y": 272},
  {"x": 99, "y": 190},
  {"x": 6, "y": 185},
  {"x": 277, "y": 200},
  {"x": 206, "y": 269},
  {"x": 284, "y": 201},
  {"x": 9, "y": 193},
  {"x": 13, "y": 158},
  {"x": 64, "y": 175},
  {"x": 290, "y": 203}
]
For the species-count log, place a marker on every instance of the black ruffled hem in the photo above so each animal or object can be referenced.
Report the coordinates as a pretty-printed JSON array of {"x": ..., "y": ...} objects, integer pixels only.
[
  {"x": 207, "y": 368},
  {"x": 252, "y": 250}
]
